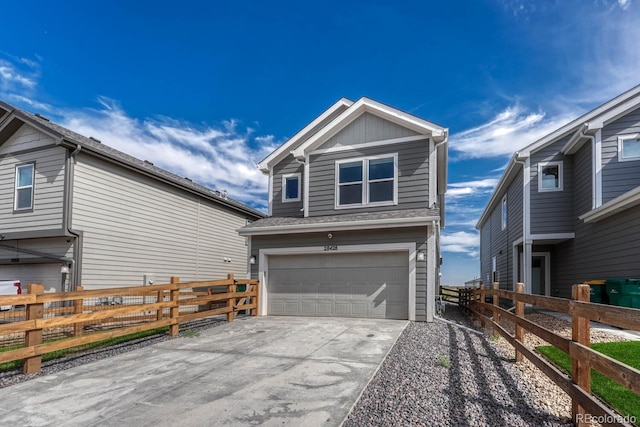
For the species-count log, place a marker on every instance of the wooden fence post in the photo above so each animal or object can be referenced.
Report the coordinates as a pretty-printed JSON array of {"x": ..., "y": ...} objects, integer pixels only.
[
  {"x": 77, "y": 309},
  {"x": 580, "y": 371},
  {"x": 520, "y": 313},
  {"x": 174, "y": 311},
  {"x": 33, "y": 337},
  {"x": 496, "y": 299},
  {"x": 482, "y": 302},
  {"x": 231, "y": 289},
  {"x": 160, "y": 311},
  {"x": 254, "y": 311}
]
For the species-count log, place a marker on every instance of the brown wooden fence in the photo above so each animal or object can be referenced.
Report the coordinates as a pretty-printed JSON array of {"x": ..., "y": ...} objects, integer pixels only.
[
  {"x": 458, "y": 295},
  {"x": 578, "y": 384},
  {"x": 47, "y": 322}
]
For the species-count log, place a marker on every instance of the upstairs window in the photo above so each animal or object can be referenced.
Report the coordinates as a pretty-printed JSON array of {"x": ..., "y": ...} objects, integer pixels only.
[
  {"x": 550, "y": 176},
  {"x": 629, "y": 147},
  {"x": 367, "y": 182},
  {"x": 291, "y": 187},
  {"x": 23, "y": 196}
]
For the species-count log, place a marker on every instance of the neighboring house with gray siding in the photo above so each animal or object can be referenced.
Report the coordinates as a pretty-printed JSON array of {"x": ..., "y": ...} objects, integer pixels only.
[
  {"x": 356, "y": 202},
  {"x": 108, "y": 218},
  {"x": 567, "y": 208}
]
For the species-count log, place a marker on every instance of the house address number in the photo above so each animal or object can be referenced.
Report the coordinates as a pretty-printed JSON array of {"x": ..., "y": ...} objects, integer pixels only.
[{"x": 331, "y": 248}]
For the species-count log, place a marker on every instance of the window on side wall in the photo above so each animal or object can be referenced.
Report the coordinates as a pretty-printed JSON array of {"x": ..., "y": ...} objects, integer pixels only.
[
  {"x": 494, "y": 269},
  {"x": 24, "y": 184},
  {"x": 628, "y": 147},
  {"x": 291, "y": 187},
  {"x": 368, "y": 181},
  {"x": 504, "y": 212},
  {"x": 550, "y": 176}
]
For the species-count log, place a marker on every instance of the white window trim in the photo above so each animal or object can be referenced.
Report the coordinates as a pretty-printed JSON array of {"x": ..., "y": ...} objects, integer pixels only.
[
  {"x": 32, "y": 187},
  {"x": 621, "y": 140},
  {"x": 560, "y": 187},
  {"x": 504, "y": 213},
  {"x": 365, "y": 182},
  {"x": 284, "y": 187}
]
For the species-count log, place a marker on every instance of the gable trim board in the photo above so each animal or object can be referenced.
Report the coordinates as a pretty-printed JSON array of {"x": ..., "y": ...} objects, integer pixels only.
[
  {"x": 619, "y": 204},
  {"x": 410, "y": 248},
  {"x": 283, "y": 151},
  {"x": 392, "y": 141}
]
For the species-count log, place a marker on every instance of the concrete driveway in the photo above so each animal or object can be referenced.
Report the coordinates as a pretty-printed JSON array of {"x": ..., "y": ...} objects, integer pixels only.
[{"x": 254, "y": 371}]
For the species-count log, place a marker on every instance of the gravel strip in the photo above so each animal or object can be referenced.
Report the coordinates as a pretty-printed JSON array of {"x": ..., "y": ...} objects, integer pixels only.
[
  {"x": 83, "y": 357},
  {"x": 440, "y": 374}
]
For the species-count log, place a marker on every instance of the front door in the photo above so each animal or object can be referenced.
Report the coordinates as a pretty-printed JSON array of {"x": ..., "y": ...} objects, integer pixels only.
[{"x": 540, "y": 274}]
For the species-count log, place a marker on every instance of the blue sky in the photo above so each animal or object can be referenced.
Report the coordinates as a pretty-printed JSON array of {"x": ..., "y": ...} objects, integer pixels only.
[{"x": 207, "y": 89}]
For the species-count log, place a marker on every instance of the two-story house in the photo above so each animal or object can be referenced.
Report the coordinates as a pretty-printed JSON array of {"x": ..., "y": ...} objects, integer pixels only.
[
  {"x": 74, "y": 211},
  {"x": 567, "y": 208},
  {"x": 356, "y": 202}
]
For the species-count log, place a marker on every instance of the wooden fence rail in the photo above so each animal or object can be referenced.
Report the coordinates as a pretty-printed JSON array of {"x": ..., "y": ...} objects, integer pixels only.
[
  {"x": 87, "y": 316},
  {"x": 578, "y": 384}
]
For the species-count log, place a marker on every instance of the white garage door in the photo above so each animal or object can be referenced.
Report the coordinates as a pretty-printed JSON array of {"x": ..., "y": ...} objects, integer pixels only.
[
  {"x": 374, "y": 284},
  {"x": 46, "y": 274}
]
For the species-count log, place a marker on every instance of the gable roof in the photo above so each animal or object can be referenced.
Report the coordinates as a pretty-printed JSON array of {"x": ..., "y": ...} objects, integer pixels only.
[
  {"x": 301, "y": 136},
  {"x": 13, "y": 117},
  {"x": 366, "y": 105},
  {"x": 579, "y": 129}
]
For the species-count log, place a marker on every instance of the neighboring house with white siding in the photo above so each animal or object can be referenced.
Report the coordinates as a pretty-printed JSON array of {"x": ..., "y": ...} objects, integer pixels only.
[
  {"x": 356, "y": 202},
  {"x": 74, "y": 211},
  {"x": 567, "y": 208}
]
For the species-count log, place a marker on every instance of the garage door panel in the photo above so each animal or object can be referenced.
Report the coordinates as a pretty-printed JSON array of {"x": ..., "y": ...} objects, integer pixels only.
[
  {"x": 347, "y": 284},
  {"x": 46, "y": 274}
]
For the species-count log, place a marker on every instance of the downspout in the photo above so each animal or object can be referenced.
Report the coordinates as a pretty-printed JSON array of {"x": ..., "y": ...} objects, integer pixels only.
[
  {"x": 305, "y": 184},
  {"x": 73, "y": 268},
  {"x": 526, "y": 254}
]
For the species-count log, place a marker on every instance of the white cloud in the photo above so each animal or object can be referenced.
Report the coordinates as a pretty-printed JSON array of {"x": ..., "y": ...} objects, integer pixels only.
[
  {"x": 460, "y": 242},
  {"x": 510, "y": 130},
  {"x": 457, "y": 189},
  {"x": 11, "y": 78},
  {"x": 216, "y": 158}
]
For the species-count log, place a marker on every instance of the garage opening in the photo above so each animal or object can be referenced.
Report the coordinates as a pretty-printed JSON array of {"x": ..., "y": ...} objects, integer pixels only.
[{"x": 362, "y": 284}]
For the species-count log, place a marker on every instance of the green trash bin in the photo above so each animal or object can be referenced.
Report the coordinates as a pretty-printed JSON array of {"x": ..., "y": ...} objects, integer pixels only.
[
  {"x": 624, "y": 292},
  {"x": 597, "y": 291}
]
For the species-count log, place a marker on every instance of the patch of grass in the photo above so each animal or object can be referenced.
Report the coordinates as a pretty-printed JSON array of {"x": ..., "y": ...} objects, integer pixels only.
[
  {"x": 16, "y": 364},
  {"x": 495, "y": 337},
  {"x": 444, "y": 361},
  {"x": 191, "y": 334},
  {"x": 623, "y": 400}
]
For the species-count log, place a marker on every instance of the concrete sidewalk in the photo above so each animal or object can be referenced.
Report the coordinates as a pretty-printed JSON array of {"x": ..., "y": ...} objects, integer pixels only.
[{"x": 253, "y": 371}]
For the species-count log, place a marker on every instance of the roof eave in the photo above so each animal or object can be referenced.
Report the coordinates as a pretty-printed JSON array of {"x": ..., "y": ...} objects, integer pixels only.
[{"x": 338, "y": 226}]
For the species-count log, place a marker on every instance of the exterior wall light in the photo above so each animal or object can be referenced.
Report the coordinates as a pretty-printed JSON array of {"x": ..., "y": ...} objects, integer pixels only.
[
  {"x": 421, "y": 256},
  {"x": 252, "y": 260}
]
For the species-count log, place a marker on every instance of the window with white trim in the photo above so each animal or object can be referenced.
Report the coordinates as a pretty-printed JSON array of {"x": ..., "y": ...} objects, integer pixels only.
[
  {"x": 628, "y": 147},
  {"x": 504, "y": 212},
  {"x": 368, "y": 181},
  {"x": 23, "y": 195},
  {"x": 494, "y": 269},
  {"x": 550, "y": 176},
  {"x": 291, "y": 187}
]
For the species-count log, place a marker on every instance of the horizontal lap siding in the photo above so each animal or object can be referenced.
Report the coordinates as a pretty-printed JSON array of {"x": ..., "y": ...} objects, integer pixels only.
[
  {"x": 286, "y": 209},
  {"x": 133, "y": 225},
  {"x": 413, "y": 178},
  {"x": 417, "y": 235},
  {"x": 552, "y": 211},
  {"x": 48, "y": 200},
  {"x": 619, "y": 177},
  {"x": 24, "y": 139}
]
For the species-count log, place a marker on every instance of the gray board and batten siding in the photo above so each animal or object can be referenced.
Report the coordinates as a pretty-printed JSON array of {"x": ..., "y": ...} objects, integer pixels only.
[
  {"x": 133, "y": 225},
  {"x": 341, "y": 239},
  {"x": 413, "y": 177}
]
